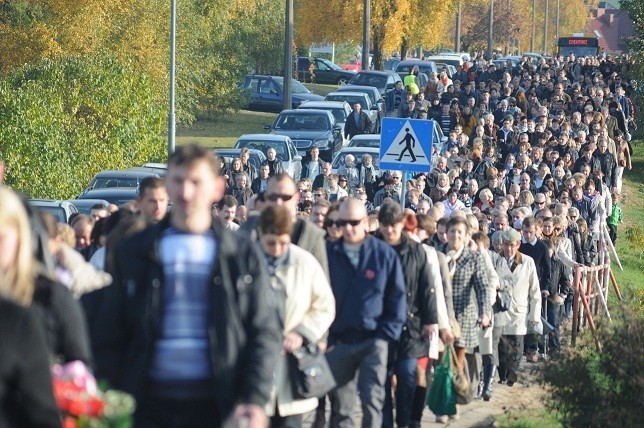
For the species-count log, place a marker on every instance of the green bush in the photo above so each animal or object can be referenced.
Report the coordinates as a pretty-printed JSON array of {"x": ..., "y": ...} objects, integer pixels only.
[
  {"x": 602, "y": 389},
  {"x": 61, "y": 121}
]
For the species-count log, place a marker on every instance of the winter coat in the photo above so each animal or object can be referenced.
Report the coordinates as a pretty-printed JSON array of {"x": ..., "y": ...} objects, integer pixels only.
[{"x": 526, "y": 297}]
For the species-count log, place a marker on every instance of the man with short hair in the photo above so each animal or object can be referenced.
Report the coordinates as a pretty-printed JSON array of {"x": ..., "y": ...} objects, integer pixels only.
[
  {"x": 538, "y": 251},
  {"x": 83, "y": 225},
  {"x": 274, "y": 163},
  {"x": 152, "y": 200},
  {"x": 282, "y": 191},
  {"x": 319, "y": 211},
  {"x": 247, "y": 166},
  {"x": 260, "y": 182},
  {"x": 195, "y": 333},
  {"x": 358, "y": 122},
  {"x": 369, "y": 288},
  {"x": 312, "y": 167},
  {"x": 227, "y": 212},
  {"x": 241, "y": 192},
  {"x": 322, "y": 179}
]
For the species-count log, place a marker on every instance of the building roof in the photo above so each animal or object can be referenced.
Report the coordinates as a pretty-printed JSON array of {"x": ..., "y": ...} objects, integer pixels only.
[{"x": 612, "y": 26}]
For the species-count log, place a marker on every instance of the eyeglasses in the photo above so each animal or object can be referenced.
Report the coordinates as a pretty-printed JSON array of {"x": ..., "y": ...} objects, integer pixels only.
[
  {"x": 275, "y": 196},
  {"x": 331, "y": 223},
  {"x": 320, "y": 195},
  {"x": 342, "y": 223},
  {"x": 343, "y": 181},
  {"x": 275, "y": 242},
  {"x": 540, "y": 202}
]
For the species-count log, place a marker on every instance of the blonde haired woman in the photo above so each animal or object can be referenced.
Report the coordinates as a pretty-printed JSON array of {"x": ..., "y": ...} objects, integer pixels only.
[{"x": 24, "y": 361}]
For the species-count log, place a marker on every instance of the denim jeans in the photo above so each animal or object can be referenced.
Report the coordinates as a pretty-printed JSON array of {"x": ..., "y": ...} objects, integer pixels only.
[
  {"x": 553, "y": 318},
  {"x": 405, "y": 371}
]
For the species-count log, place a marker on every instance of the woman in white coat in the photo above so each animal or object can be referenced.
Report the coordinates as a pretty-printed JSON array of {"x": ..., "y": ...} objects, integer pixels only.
[
  {"x": 525, "y": 307},
  {"x": 307, "y": 308}
]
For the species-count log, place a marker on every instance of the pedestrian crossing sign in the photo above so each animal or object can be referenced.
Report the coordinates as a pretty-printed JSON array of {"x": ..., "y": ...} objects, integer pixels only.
[{"x": 406, "y": 144}]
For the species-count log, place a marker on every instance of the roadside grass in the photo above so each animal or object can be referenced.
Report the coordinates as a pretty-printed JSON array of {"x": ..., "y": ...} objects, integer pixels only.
[
  {"x": 224, "y": 130},
  {"x": 630, "y": 240},
  {"x": 534, "y": 418}
]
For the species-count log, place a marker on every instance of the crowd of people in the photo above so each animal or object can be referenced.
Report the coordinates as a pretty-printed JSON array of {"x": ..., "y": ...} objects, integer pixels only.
[{"x": 198, "y": 310}]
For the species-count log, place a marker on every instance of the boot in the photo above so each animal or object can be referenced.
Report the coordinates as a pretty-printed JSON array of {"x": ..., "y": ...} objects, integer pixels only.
[
  {"x": 418, "y": 405},
  {"x": 488, "y": 378}
]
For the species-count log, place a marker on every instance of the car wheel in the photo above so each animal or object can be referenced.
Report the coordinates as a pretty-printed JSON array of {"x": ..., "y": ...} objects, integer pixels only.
[{"x": 342, "y": 81}]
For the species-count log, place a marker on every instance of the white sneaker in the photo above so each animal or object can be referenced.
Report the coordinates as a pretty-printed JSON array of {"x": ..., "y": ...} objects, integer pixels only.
[{"x": 442, "y": 419}]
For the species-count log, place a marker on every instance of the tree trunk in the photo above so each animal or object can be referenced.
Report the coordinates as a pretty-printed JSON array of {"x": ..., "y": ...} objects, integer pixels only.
[
  {"x": 404, "y": 47},
  {"x": 378, "y": 37}
]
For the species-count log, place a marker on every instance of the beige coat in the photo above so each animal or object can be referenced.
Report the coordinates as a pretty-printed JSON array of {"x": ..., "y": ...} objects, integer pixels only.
[
  {"x": 309, "y": 310},
  {"x": 526, "y": 297}
]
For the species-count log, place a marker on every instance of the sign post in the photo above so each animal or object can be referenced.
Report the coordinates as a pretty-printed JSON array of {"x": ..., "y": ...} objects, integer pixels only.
[{"x": 406, "y": 145}]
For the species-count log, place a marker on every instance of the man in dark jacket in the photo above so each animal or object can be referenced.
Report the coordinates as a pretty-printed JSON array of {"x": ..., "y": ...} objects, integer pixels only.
[
  {"x": 281, "y": 190},
  {"x": 369, "y": 288},
  {"x": 422, "y": 318},
  {"x": 538, "y": 250},
  {"x": 607, "y": 164},
  {"x": 358, "y": 122},
  {"x": 197, "y": 335}
]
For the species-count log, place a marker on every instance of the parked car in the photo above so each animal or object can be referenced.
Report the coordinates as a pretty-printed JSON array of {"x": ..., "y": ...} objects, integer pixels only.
[
  {"x": 158, "y": 168},
  {"x": 383, "y": 80},
  {"x": 309, "y": 128},
  {"x": 365, "y": 140},
  {"x": 372, "y": 91},
  {"x": 391, "y": 63},
  {"x": 114, "y": 195},
  {"x": 256, "y": 155},
  {"x": 62, "y": 210},
  {"x": 283, "y": 145},
  {"x": 357, "y": 152},
  {"x": 454, "y": 60},
  {"x": 119, "y": 178},
  {"x": 339, "y": 109},
  {"x": 404, "y": 67},
  {"x": 324, "y": 71},
  {"x": 267, "y": 94},
  {"x": 84, "y": 206},
  {"x": 372, "y": 110}
]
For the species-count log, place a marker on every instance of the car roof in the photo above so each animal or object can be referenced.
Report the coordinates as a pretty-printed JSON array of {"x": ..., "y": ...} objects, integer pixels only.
[
  {"x": 369, "y": 150},
  {"x": 306, "y": 112},
  {"x": 264, "y": 137},
  {"x": 88, "y": 202},
  {"x": 358, "y": 88},
  {"x": 321, "y": 104},
  {"x": 415, "y": 61},
  {"x": 378, "y": 72},
  {"x": 124, "y": 191},
  {"x": 48, "y": 202},
  {"x": 365, "y": 137},
  {"x": 125, "y": 173},
  {"x": 231, "y": 150},
  {"x": 348, "y": 93}
]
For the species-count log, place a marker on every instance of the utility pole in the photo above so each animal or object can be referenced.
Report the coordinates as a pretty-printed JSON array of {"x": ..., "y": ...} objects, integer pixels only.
[
  {"x": 557, "y": 23},
  {"x": 288, "y": 56},
  {"x": 507, "y": 41},
  {"x": 366, "y": 27},
  {"x": 173, "y": 38},
  {"x": 490, "y": 31},
  {"x": 457, "y": 42},
  {"x": 545, "y": 29},
  {"x": 534, "y": 24}
]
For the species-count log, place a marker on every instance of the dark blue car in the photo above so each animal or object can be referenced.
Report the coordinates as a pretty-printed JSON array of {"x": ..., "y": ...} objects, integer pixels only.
[{"x": 266, "y": 93}]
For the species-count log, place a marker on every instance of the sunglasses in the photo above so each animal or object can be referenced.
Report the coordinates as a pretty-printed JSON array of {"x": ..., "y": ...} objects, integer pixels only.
[
  {"x": 275, "y": 196},
  {"x": 342, "y": 223},
  {"x": 331, "y": 223},
  {"x": 318, "y": 194}
]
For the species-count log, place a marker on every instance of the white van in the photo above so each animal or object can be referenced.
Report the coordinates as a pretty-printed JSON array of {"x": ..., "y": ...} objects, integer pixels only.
[{"x": 453, "y": 59}]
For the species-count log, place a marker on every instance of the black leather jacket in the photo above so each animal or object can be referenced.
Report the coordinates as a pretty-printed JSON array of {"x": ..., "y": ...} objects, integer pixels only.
[{"x": 244, "y": 333}]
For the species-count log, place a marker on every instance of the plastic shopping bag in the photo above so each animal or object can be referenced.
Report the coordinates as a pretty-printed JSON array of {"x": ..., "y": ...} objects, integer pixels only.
[{"x": 442, "y": 399}]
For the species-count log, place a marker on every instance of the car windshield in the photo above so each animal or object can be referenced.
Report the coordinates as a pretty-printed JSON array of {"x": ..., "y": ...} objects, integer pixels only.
[
  {"x": 279, "y": 146},
  {"x": 57, "y": 212},
  {"x": 103, "y": 182},
  {"x": 351, "y": 99},
  {"x": 368, "y": 79},
  {"x": 304, "y": 122},
  {"x": 331, "y": 65},
  {"x": 296, "y": 87},
  {"x": 339, "y": 159},
  {"x": 365, "y": 142}
]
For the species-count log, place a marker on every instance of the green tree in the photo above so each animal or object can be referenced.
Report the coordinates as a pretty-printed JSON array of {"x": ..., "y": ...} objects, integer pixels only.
[{"x": 64, "y": 120}]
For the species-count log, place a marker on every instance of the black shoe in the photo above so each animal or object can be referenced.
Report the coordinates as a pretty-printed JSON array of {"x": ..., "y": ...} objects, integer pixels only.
[
  {"x": 488, "y": 378},
  {"x": 512, "y": 378}
]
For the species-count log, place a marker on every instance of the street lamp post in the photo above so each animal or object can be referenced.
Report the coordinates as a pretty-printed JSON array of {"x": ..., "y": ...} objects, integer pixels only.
[
  {"x": 534, "y": 24},
  {"x": 171, "y": 118},
  {"x": 457, "y": 42},
  {"x": 366, "y": 27},
  {"x": 288, "y": 56},
  {"x": 545, "y": 28},
  {"x": 490, "y": 31}
]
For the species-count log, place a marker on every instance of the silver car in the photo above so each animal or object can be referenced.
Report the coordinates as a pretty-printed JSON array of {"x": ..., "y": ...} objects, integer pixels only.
[
  {"x": 282, "y": 144},
  {"x": 361, "y": 98}
]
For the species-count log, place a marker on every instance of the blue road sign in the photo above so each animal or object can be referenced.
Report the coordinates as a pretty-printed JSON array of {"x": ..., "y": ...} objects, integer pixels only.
[{"x": 406, "y": 144}]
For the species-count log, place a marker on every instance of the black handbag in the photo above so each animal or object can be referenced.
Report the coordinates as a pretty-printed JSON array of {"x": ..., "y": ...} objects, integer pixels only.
[
  {"x": 502, "y": 303},
  {"x": 310, "y": 372}
]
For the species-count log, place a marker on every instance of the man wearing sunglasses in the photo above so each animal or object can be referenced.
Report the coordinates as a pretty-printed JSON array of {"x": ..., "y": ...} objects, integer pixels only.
[
  {"x": 369, "y": 288},
  {"x": 281, "y": 190}
]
